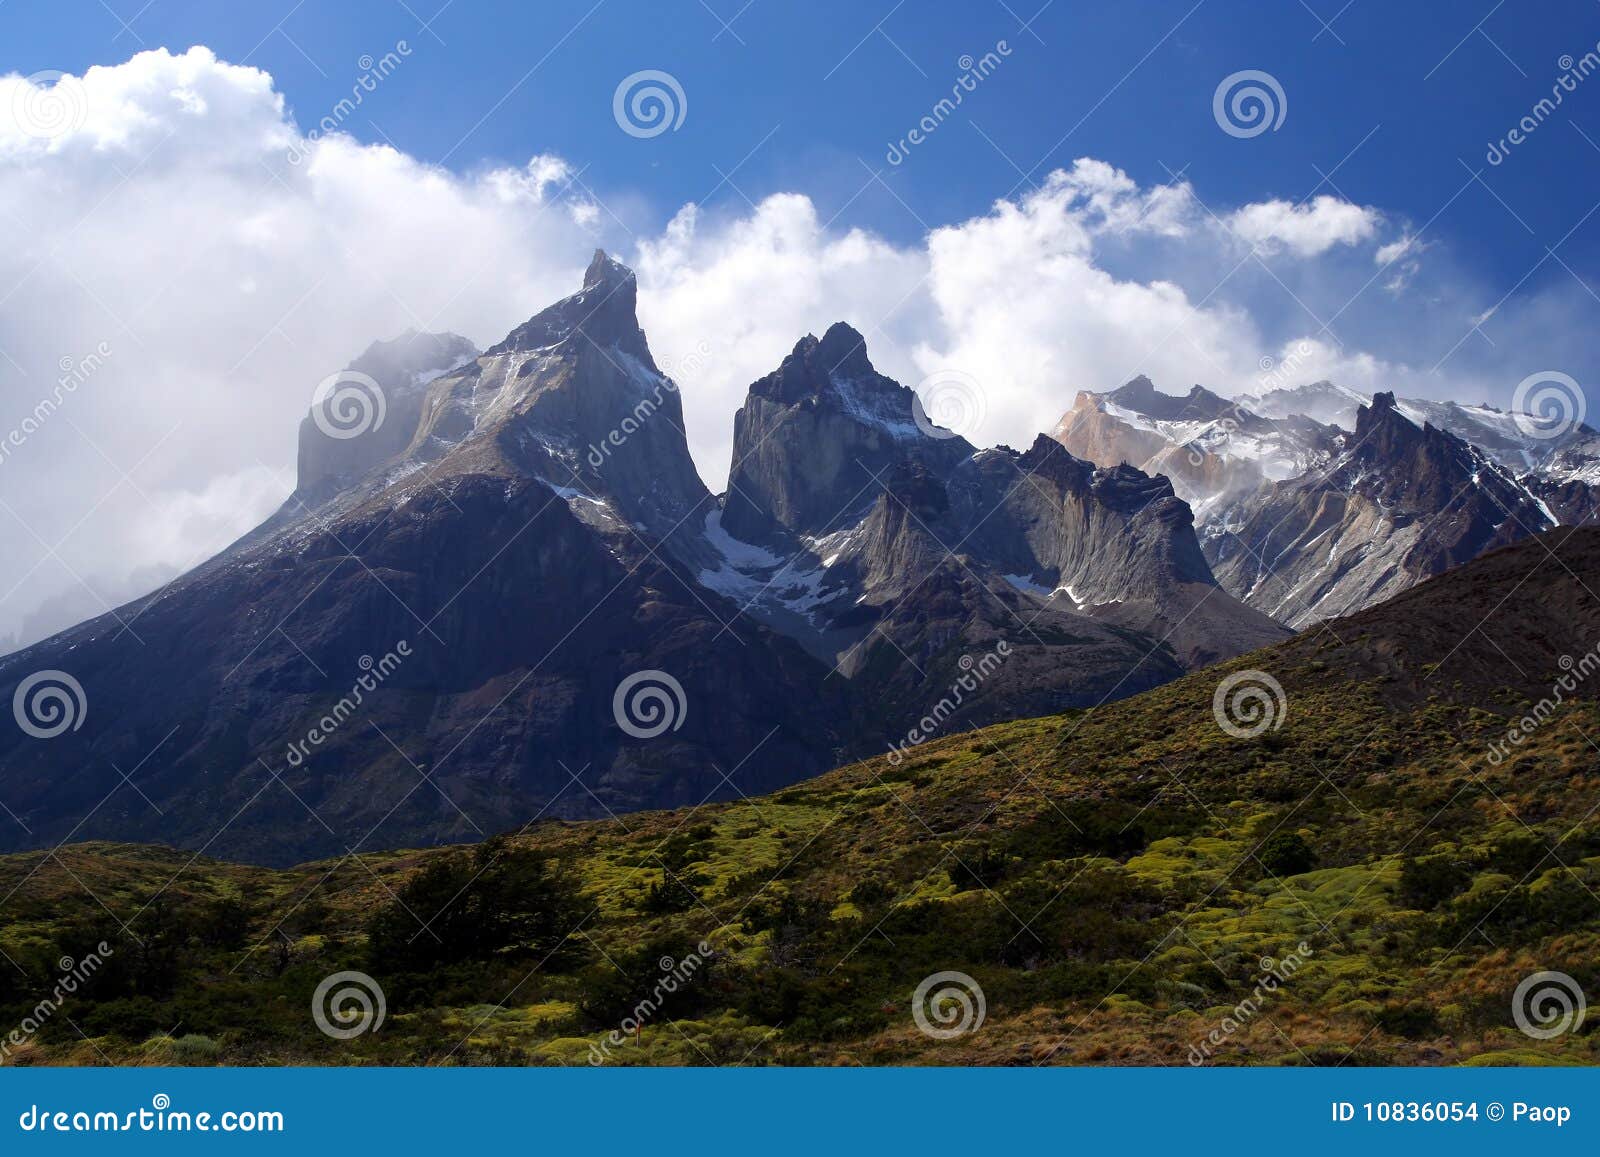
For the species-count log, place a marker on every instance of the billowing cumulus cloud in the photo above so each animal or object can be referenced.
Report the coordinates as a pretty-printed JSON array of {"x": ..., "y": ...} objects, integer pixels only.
[{"x": 180, "y": 266}]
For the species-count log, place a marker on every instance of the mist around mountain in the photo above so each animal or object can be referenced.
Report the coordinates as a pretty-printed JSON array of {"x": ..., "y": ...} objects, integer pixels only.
[{"x": 500, "y": 591}]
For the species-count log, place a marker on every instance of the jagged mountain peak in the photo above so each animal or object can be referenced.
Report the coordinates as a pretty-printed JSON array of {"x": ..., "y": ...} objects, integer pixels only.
[
  {"x": 604, "y": 312},
  {"x": 843, "y": 351},
  {"x": 1141, "y": 396},
  {"x": 1382, "y": 400},
  {"x": 1384, "y": 434},
  {"x": 1382, "y": 416},
  {"x": 605, "y": 270},
  {"x": 817, "y": 366},
  {"x": 815, "y": 438}
]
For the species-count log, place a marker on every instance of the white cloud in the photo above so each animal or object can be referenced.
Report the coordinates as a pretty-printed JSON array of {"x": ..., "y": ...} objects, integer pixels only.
[
  {"x": 169, "y": 222},
  {"x": 1401, "y": 259},
  {"x": 1392, "y": 252},
  {"x": 1306, "y": 230},
  {"x": 226, "y": 282}
]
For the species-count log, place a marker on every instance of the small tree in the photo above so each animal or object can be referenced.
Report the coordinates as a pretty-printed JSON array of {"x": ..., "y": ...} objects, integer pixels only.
[
  {"x": 1287, "y": 854},
  {"x": 498, "y": 901}
]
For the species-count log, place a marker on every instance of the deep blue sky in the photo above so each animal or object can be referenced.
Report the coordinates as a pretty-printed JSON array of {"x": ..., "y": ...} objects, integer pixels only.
[{"x": 1130, "y": 83}]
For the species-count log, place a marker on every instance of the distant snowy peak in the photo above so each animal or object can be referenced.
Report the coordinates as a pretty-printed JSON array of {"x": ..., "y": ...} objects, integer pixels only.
[
  {"x": 1513, "y": 440},
  {"x": 1323, "y": 401},
  {"x": 1198, "y": 405},
  {"x": 1211, "y": 448}
]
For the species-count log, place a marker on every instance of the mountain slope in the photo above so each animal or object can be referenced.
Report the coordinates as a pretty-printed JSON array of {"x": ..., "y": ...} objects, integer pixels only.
[
  {"x": 1115, "y": 883},
  {"x": 501, "y": 584},
  {"x": 491, "y": 560}
]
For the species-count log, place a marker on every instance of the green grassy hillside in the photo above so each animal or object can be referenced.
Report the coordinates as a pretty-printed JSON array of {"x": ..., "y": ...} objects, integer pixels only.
[{"x": 1119, "y": 883}]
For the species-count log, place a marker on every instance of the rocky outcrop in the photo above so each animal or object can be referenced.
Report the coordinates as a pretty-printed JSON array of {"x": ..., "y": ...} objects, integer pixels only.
[
  {"x": 1400, "y": 504},
  {"x": 814, "y": 438},
  {"x": 352, "y": 428},
  {"x": 912, "y": 543}
]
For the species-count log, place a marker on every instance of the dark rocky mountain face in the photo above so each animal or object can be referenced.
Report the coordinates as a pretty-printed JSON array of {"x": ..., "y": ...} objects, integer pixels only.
[
  {"x": 521, "y": 571},
  {"x": 895, "y": 549},
  {"x": 513, "y": 598},
  {"x": 816, "y": 435},
  {"x": 1200, "y": 404},
  {"x": 455, "y": 653}
]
